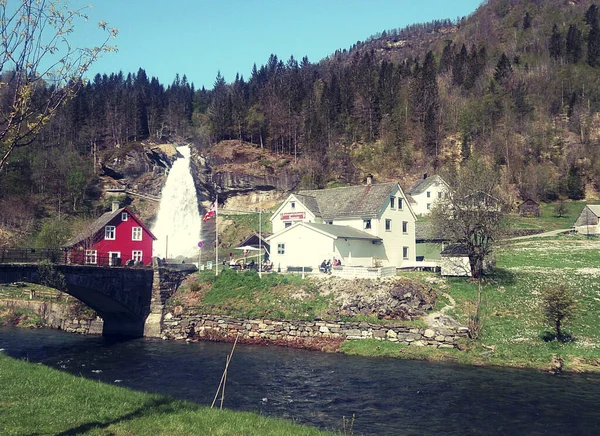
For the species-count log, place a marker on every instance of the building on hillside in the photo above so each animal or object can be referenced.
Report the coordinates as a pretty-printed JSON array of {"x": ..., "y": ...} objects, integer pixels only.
[
  {"x": 588, "y": 222},
  {"x": 426, "y": 192},
  {"x": 117, "y": 237},
  {"x": 371, "y": 225},
  {"x": 529, "y": 207}
]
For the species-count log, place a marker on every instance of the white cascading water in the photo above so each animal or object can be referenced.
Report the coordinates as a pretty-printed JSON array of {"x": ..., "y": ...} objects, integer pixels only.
[{"x": 178, "y": 225}]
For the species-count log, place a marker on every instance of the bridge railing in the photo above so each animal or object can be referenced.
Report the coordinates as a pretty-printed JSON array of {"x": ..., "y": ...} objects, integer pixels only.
[
  {"x": 59, "y": 257},
  {"x": 29, "y": 255}
]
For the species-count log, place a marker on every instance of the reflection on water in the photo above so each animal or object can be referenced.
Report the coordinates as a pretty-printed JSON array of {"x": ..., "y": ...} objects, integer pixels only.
[{"x": 387, "y": 396}]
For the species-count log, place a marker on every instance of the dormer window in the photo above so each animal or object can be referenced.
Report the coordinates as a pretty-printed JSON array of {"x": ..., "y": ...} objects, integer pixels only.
[
  {"x": 124, "y": 216},
  {"x": 293, "y": 205},
  {"x": 393, "y": 202}
]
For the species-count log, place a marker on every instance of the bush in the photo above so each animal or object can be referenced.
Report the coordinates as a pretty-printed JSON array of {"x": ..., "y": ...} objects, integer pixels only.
[{"x": 558, "y": 304}]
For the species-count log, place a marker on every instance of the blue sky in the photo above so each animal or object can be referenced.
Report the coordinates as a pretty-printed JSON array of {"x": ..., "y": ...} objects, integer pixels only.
[{"x": 198, "y": 38}]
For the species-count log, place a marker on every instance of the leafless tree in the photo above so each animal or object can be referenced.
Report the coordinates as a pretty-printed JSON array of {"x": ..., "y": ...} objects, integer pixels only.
[
  {"x": 40, "y": 69},
  {"x": 472, "y": 212}
]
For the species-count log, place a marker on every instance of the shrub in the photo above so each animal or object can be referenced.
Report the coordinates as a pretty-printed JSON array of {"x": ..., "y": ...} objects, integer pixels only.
[{"x": 558, "y": 304}]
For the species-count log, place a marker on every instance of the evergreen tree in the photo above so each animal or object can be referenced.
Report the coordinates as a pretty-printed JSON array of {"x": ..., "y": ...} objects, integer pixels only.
[
  {"x": 504, "y": 69},
  {"x": 573, "y": 45},
  {"x": 460, "y": 66},
  {"x": 526, "y": 21},
  {"x": 593, "y": 39},
  {"x": 556, "y": 43},
  {"x": 575, "y": 187}
]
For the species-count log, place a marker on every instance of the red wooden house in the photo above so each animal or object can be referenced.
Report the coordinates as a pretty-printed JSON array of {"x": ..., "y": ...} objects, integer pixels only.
[{"x": 116, "y": 238}]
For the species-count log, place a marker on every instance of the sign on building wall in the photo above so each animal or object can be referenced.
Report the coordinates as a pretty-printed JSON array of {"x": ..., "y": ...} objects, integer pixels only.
[{"x": 287, "y": 216}]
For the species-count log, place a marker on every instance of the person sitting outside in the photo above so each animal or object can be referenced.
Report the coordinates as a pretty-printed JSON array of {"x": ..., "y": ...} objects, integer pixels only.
[{"x": 323, "y": 268}]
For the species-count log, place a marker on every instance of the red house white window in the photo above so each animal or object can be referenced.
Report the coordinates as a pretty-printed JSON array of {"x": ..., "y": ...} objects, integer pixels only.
[
  {"x": 91, "y": 257},
  {"x": 137, "y": 255},
  {"x": 110, "y": 232},
  {"x": 124, "y": 216},
  {"x": 136, "y": 234}
]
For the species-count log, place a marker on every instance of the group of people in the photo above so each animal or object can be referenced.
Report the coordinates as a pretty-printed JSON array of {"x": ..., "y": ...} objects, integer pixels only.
[
  {"x": 241, "y": 265},
  {"x": 327, "y": 264}
]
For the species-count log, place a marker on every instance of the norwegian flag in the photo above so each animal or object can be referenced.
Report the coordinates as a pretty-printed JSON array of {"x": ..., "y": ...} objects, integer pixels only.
[{"x": 211, "y": 213}]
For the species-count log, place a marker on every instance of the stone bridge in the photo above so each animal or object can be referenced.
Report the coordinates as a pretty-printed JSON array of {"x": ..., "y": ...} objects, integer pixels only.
[{"x": 129, "y": 300}]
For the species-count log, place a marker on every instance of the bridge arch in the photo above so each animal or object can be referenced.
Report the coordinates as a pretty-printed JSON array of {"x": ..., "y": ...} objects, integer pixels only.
[{"x": 123, "y": 297}]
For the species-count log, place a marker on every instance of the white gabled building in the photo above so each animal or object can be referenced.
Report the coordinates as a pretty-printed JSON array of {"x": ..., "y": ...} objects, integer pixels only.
[
  {"x": 369, "y": 225},
  {"x": 588, "y": 222},
  {"x": 426, "y": 192}
]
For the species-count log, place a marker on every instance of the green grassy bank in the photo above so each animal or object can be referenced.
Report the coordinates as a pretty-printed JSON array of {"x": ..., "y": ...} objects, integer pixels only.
[
  {"x": 37, "y": 400},
  {"x": 514, "y": 332}
]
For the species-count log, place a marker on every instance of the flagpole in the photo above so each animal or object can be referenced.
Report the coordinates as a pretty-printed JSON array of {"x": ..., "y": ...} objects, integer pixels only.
[
  {"x": 259, "y": 241},
  {"x": 216, "y": 235}
]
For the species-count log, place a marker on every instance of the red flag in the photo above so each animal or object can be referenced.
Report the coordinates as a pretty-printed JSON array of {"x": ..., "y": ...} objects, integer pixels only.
[{"x": 211, "y": 213}]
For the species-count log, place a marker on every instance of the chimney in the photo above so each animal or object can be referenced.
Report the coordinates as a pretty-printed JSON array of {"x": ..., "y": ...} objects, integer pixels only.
[
  {"x": 369, "y": 179},
  {"x": 115, "y": 206},
  {"x": 424, "y": 176}
]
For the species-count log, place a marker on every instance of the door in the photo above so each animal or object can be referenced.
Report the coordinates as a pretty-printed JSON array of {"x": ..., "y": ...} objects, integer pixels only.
[{"x": 114, "y": 258}]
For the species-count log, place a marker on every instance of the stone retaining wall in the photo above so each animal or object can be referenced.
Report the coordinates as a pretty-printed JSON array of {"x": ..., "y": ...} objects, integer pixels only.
[
  {"x": 214, "y": 327},
  {"x": 54, "y": 315}
]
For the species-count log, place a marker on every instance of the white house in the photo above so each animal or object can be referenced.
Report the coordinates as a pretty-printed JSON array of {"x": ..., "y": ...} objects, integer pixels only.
[
  {"x": 426, "y": 192},
  {"x": 369, "y": 225},
  {"x": 588, "y": 222}
]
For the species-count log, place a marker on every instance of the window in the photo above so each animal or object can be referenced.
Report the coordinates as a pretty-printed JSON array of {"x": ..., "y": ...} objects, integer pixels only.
[
  {"x": 428, "y": 206},
  {"x": 91, "y": 257},
  {"x": 110, "y": 232},
  {"x": 404, "y": 253},
  {"x": 399, "y": 203},
  {"x": 404, "y": 226},
  {"x": 136, "y": 234},
  {"x": 367, "y": 224},
  {"x": 287, "y": 224},
  {"x": 393, "y": 202},
  {"x": 137, "y": 255},
  {"x": 124, "y": 216},
  {"x": 330, "y": 223},
  {"x": 428, "y": 194},
  {"x": 293, "y": 205},
  {"x": 280, "y": 248},
  {"x": 388, "y": 225}
]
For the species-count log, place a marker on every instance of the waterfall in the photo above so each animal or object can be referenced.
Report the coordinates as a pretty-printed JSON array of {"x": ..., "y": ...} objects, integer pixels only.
[{"x": 178, "y": 220}]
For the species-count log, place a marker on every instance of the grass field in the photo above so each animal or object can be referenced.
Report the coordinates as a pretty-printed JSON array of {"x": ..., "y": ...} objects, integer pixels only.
[
  {"x": 36, "y": 400},
  {"x": 513, "y": 326}
]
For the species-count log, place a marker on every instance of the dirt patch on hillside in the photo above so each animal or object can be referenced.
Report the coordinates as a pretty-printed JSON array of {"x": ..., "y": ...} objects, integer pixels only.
[{"x": 242, "y": 157}]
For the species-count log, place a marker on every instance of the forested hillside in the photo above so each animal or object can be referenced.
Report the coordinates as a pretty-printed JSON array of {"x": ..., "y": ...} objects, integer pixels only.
[{"x": 517, "y": 82}]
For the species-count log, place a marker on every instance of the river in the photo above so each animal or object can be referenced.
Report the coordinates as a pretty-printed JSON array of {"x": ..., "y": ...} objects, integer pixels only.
[{"x": 386, "y": 396}]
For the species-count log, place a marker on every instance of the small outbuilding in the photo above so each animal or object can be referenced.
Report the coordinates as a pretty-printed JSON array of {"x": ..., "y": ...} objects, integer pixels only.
[
  {"x": 529, "y": 207},
  {"x": 455, "y": 261},
  {"x": 588, "y": 221}
]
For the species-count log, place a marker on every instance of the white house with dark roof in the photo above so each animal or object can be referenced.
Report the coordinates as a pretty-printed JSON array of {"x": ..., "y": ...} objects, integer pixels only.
[
  {"x": 588, "y": 222},
  {"x": 369, "y": 225},
  {"x": 426, "y": 192}
]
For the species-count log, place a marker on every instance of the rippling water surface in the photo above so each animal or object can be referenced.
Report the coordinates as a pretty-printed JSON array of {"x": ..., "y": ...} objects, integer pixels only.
[{"x": 387, "y": 396}]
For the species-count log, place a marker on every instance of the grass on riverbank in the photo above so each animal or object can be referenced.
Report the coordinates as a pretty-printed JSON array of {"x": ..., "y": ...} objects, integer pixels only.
[
  {"x": 40, "y": 400},
  {"x": 246, "y": 295},
  {"x": 513, "y": 325}
]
